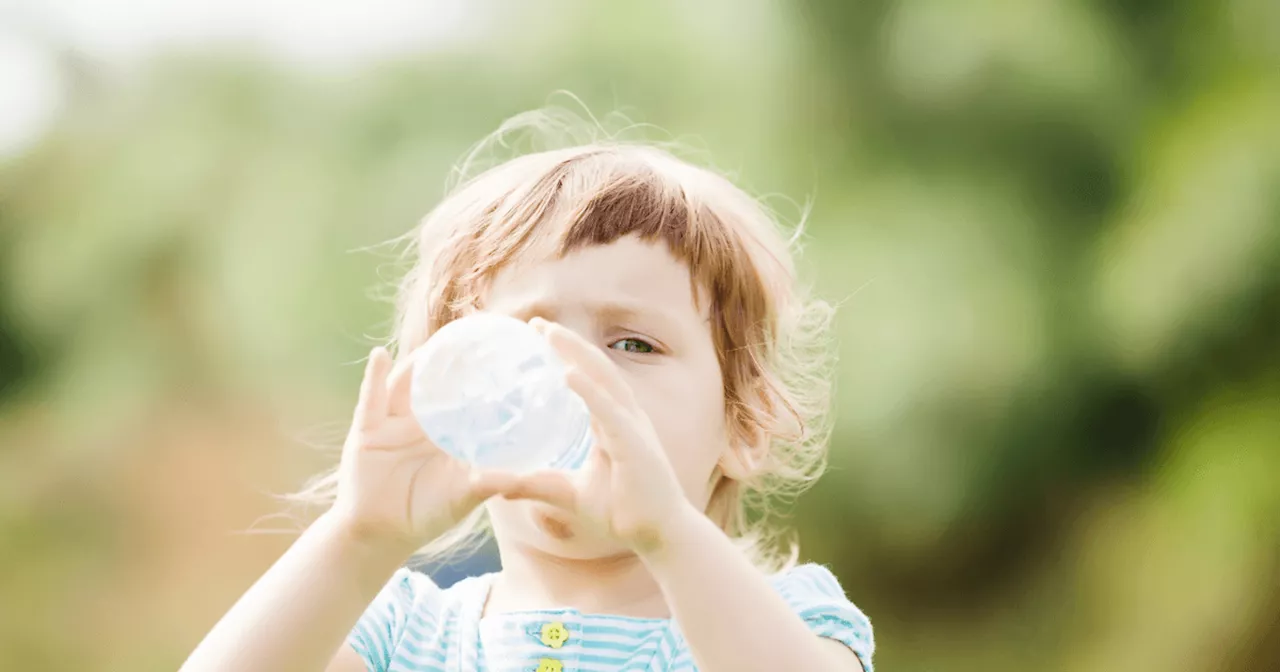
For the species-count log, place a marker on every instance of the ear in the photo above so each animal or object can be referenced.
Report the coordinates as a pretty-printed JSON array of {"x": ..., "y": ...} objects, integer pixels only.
[
  {"x": 745, "y": 456},
  {"x": 747, "y": 452}
]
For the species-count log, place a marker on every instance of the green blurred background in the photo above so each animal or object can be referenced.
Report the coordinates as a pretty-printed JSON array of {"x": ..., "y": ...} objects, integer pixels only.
[{"x": 1053, "y": 227}]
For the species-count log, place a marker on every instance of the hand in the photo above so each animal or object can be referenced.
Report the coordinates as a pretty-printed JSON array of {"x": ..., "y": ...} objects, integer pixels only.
[
  {"x": 396, "y": 488},
  {"x": 627, "y": 488}
]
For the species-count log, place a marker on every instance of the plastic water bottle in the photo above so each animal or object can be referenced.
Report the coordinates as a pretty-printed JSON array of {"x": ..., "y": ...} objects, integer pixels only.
[{"x": 488, "y": 389}]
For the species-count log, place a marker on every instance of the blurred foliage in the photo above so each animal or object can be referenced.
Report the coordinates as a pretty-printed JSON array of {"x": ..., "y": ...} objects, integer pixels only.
[{"x": 1052, "y": 227}]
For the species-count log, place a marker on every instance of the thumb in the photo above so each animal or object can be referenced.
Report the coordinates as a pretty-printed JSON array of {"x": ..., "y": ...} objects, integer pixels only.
[
  {"x": 485, "y": 483},
  {"x": 550, "y": 486}
]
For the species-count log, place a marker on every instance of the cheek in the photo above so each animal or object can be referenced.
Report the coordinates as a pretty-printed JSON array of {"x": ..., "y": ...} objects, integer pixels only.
[{"x": 689, "y": 418}]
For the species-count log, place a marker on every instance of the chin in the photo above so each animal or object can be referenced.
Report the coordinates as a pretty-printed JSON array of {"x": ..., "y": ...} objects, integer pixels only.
[{"x": 546, "y": 529}]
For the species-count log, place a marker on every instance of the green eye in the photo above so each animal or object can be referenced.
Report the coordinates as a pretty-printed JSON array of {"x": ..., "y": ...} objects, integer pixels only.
[{"x": 633, "y": 345}]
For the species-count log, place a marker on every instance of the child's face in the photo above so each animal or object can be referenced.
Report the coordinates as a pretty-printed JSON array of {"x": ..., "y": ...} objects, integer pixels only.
[{"x": 635, "y": 301}]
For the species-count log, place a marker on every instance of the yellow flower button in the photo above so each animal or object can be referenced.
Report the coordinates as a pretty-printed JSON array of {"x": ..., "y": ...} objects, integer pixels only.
[
  {"x": 550, "y": 665},
  {"x": 554, "y": 634}
]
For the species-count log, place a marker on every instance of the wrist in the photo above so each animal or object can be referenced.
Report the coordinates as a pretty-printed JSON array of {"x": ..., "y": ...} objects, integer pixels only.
[{"x": 370, "y": 546}]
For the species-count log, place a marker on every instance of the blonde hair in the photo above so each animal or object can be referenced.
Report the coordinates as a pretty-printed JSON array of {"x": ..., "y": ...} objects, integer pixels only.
[{"x": 769, "y": 336}]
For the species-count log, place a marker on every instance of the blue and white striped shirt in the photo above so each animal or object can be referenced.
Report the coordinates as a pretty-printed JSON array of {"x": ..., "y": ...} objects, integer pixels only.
[{"x": 415, "y": 626}]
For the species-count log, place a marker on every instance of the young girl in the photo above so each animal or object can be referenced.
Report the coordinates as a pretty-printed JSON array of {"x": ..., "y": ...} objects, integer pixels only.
[{"x": 670, "y": 294}]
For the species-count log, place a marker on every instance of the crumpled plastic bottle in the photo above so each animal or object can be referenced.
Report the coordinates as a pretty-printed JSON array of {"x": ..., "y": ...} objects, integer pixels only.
[{"x": 489, "y": 390}]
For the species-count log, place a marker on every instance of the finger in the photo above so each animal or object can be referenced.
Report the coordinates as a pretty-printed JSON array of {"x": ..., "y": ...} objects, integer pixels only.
[
  {"x": 485, "y": 483},
  {"x": 551, "y": 487},
  {"x": 595, "y": 478},
  {"x": 596, "y": 452},
  {"x": 371, "y": 406},
  {"x": 399, "y": 384},
  {"x": 612, "y": 425},
  {"x": 578, "y": 351},
  {"x": 467, "y": 490}
]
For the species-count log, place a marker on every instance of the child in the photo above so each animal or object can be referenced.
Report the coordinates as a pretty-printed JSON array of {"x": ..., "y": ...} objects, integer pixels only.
[{"x": 671, "y": 296}]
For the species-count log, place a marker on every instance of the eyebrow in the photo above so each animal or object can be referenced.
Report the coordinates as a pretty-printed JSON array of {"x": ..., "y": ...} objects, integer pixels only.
[{"x": 616, "y": 310}]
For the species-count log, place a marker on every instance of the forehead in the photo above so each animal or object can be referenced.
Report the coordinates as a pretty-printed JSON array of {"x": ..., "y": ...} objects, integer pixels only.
[{"x": 628, "y": 275}]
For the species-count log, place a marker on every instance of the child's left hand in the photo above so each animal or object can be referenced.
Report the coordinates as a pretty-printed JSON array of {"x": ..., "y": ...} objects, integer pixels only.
[{"x": 627, "y": 487}]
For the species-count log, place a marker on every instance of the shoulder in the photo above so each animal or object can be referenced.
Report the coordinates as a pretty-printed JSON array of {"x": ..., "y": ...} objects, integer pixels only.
[
  {"x": 815, "y": 594},
  {"x": 412, "y": 588},
  {"x": 427, "y": 606},
  {"x": 808, "y": 580},
  {"x": 407, "y": 616}
]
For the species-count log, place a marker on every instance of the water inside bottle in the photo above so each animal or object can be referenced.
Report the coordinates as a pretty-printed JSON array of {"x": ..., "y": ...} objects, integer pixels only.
[{"x": 482, "y": 400}]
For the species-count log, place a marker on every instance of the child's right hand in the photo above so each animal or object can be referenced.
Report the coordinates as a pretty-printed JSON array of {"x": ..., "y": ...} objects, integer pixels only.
[{"x": 396, "y": 489}]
